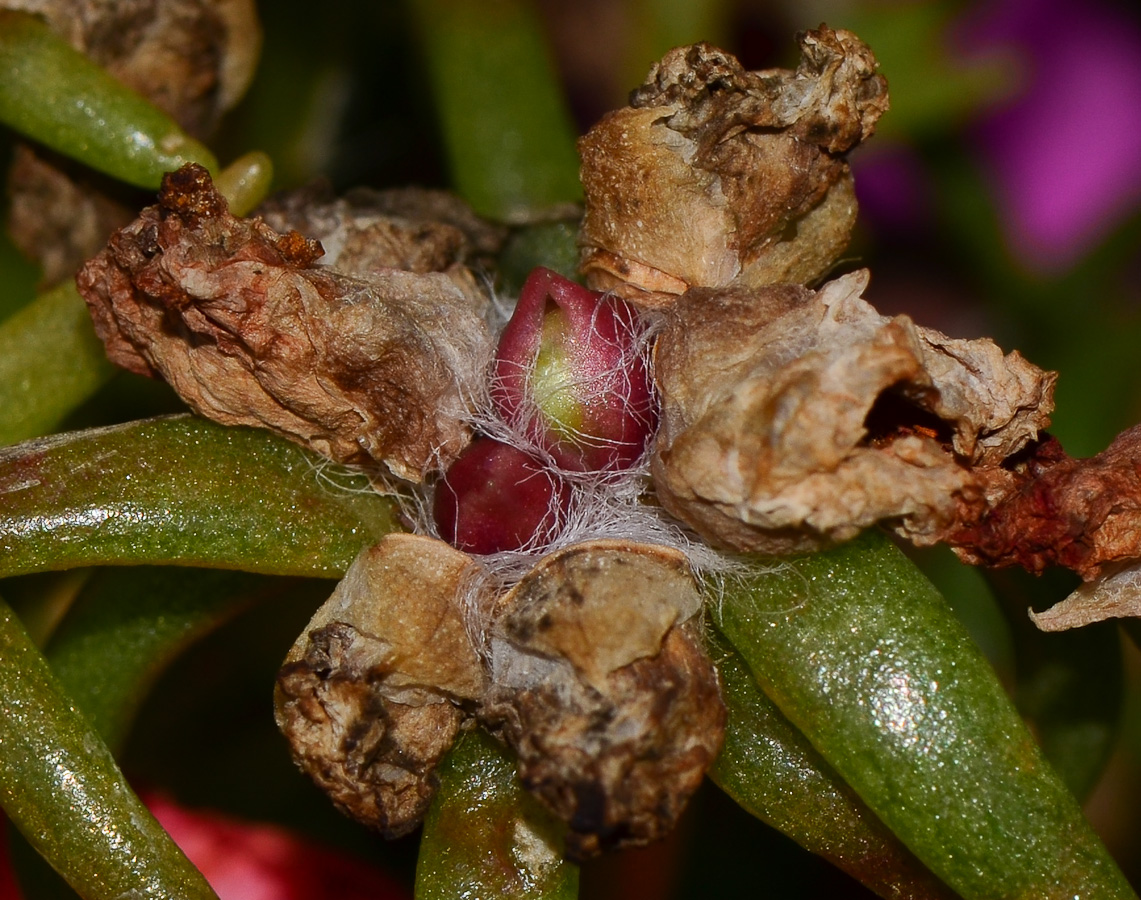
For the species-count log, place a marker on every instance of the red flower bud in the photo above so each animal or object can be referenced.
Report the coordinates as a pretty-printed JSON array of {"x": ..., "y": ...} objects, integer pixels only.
[
  {"x": 568, "y": 372},
  {"x": 495, "y": 497}
]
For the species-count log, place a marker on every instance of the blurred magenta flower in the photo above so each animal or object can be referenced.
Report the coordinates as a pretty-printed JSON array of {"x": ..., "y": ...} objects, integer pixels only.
[
  {"x": 1064, "y": 153},
  {"x": 569, "y": 373},
  {"x": 893, "y": 187},
  {"x": 495, "y": 498},
  {"x": 248, "y": 861}
]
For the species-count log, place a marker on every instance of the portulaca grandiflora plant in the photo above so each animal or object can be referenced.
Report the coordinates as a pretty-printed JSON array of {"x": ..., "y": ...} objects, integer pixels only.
[{"x": 609, "y": 496}]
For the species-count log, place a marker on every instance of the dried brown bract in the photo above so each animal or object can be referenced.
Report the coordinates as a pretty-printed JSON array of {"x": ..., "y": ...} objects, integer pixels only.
[
  {"x": 369, "y": 695},
  {"x": 716, "y": 176},
  {"x": 1115, "y": 594},
  {"x": 792, "y": 418},
  {"x": 1083, "y": 514},
  {"x": 375, "y": 367},
  {"x": 191, "y": 58},
  {"x": 605, "y": 694}
]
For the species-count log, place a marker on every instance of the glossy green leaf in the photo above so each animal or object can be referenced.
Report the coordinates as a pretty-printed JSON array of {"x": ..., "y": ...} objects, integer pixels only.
[
  {"x": 182, "y": 491},
  {"x": 54, "y": 94},
  {"x": 485, "y": 837},
  {"x": 862, "y": 654},
  {"x": 61, "y": 788},
  {"x": 50, "y": 362},
  {"x": 771, "y": 770},
  {"x": 506, "y": 129}
]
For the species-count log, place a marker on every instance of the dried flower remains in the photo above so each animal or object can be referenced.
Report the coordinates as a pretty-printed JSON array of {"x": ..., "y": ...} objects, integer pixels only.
[
  {"x": 793, "y": 419},
  {"x": 376, "y": 365},
  {"x": 715, "y": 176}
]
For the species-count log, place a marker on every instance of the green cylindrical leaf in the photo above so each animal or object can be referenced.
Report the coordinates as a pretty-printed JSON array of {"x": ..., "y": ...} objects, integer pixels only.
[
  {"x": 507, "y": 132},
  {"x": 50, "y": 362},
  {"x": 61, "y": 788},
  {"x": 246, "y": 181},
  {"x": 182, "y": 491},
  {"x": 54, "y": 94},
  {"x": 484, "y": 836},
  {"x": 771, "y": 770},
  {"x": 861, "y": 653}
]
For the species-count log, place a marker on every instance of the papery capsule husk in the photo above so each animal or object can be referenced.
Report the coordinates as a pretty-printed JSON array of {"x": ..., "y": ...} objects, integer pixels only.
[
  {"x": 601, "y": 686},
  {"x": 716, "y": 176},
  {"x": 371, "y": 695},
  {"x": 379, "y": 366},
  {"x": 365, "y": 231},
  {"x": 793, "y": 419}
]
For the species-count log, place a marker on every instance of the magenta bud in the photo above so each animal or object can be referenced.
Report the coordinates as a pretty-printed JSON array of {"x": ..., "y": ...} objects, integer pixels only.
[
  {"x": 569, "y": 373},
  {"x": 495, "y": 498}
]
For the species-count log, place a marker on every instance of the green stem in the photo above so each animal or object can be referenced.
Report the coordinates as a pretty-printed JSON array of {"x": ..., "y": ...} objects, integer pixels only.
[
  {"x": 61, "y": 788},
  {"x": 506, "y": 129},
  {"x": 50, "y": 362},
  {"x": 182, "y": 491},
  {"x": 54, "y": 94},
  {"x": 861, "y": 653},
  {"x": 484, "y": 836}
]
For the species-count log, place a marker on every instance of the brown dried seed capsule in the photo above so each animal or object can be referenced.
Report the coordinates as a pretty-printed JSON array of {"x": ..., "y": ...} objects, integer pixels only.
[
  {"x": 608, "y": 700},
  {"x": 794, "y": 418},
  {"x": 374, "y": 757},
  {"x": 370, "y": 695},
  {"x": 380, "y": 366},
  {"x": 716, "y": 176}
]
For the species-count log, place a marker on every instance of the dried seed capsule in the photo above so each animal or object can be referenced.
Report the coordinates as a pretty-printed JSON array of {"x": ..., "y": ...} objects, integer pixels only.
[
  {"x": 793, "y": 418},
  {"x": 602, "y": 687},
  {"x": 372, "y": 366},
  {"x": 369, "y": 694},
  {"x": 716, "y": 176}
]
